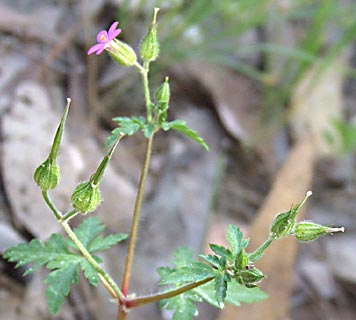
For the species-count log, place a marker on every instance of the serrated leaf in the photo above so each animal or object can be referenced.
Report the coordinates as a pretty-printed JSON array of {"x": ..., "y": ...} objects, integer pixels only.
[
  {"x": 181, "y": 126},
  {"x": 89, "y": 272},
  {"x": 59, "y": 283},
  {"x": 182, "y": 257},
  {"x": 183, "y": 305},
  {"x": 39, "y": 253},
  {"x": 234, "y": 237},
  {"x": 148, "y": 130},
  {"x": 220, "y": 289},
  {"x": 129, "y": 125},
  {"x": 88, "y": 230},
  {"x": 235, "y": 294},
  {"x": 195, "y": 272},
  {"x": 214, "y": 260},
  {"x": 100, "y": 243},
  {"x": 164, "y": 271},
  {"x": 221, "y": 251}
]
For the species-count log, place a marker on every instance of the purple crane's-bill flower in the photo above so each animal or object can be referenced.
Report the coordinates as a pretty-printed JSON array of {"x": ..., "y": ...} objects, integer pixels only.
[{"x": 104, "y": 39}]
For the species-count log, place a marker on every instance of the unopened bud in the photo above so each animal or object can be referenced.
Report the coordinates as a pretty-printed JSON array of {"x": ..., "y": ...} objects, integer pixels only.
[
  {"x": 163, "y": 93},
  {"x": 241, "y": 260},
  {"x": 149, "y": 44},
  {"x": 284, "y": 223},
  {"x": 308, "y": 231},
  {"x": 122, "y": 53},
  {"x": 250, "y": 277}
]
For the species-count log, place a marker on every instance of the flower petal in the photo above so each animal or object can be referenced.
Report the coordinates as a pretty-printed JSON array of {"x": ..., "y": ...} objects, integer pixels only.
[
  {"x": 98, "y": 48},
  {"x": 113, "y": 28},
  {"x": 102, "y": 37},
  {"x": 114, "y": 34}
]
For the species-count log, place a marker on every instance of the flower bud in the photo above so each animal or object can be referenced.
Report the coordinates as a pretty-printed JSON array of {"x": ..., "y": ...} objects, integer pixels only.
[
  {"x": 163, "y": 93},
  {"x": 250, "y": 277},
  {"x": 86, "y": 197},
  {"x": 122, "y": 53},
  {"x": 47, "y": 175},
  {"x": 308, "y": 231},
  {"x": 241, "y": 260},
  {"x": 284, "y": 223},
  {"x": 149, "y": 45}
]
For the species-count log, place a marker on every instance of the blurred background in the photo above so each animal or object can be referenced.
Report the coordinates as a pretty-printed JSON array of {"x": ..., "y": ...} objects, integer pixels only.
[{"x": 269, "y": 84}]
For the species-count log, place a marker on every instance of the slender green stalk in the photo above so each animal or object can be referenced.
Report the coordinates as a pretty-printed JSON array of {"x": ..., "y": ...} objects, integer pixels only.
[
  {"x": 254, "y": 255},
  {"x": 69, "y": 215},
  {"x": 113, "y": 288},
  {"x": 140, "y": 301},
  {"x": 146, "y": 67},
  {"x": 105, "y": 279},
  {"x": 136, "y": 219},
  {"x": 50, "y": 204}
]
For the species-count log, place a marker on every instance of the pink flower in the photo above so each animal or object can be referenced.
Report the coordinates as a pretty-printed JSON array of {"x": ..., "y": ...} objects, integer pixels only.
[{"x": 104, "y": 39}]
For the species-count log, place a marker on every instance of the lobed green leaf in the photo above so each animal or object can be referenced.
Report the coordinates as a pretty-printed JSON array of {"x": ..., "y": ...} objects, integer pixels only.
[
  {"x": 235, "y": 294},
  {"x": 181, "y": 126},
  {"x": 197, "y": 271},
  {"x": 234, "y": 237},
  {"x": 101, "y": 243},
  {"x": 183, "y": 305}
]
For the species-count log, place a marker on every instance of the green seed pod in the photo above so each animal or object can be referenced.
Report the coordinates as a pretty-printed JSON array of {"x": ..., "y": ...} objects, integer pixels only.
[
  {"x": 241, "y": 260},
  {"x": 251, "y": 276},
  {"x": 122, "y": 53},
  {"x": 149, "y": 45},
  {"x": 284, "y": 223},
  {"x": 86, "y": 197},
  {"x": 163, "y": 93},
  {"x": 308, "y": 231},
  {"x": 47, "y": 175}
]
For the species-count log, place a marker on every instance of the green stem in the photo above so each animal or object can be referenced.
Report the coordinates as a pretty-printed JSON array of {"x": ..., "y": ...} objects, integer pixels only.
[
  {"x": 136, "y": 219},
  {"x": 50, "y": 204},
  {"x": 103, "y": 275},
  {"x": 146, "y": 67},
  {"x": 254, "y": 255},
  {"x": 69, "y": 215},
  {"x": 105, "y": 279},
  {"x": 136, "y": 302}
]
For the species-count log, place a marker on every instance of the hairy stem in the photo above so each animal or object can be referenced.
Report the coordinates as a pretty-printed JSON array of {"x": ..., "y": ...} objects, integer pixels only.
[
  {"x": 136, "y": 302},
  {"x": 106, "y": 280},
  {"x": 254, "y": 255},
  {"x": 136, "y": 219},
  {"x": 69, "y": 215},
  {"x": 146, "y": 89},
  {"x": 50, "y": 204},
  {"x": 104, "y": 277}
]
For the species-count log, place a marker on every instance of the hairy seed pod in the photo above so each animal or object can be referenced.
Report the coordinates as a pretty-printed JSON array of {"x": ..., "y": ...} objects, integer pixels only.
[
  {"x": 150, "y": 46},
  {"x": 86, "y": 197},
  {"x": 47, "y": 175},
  {"x": 307, "y": 231}
]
